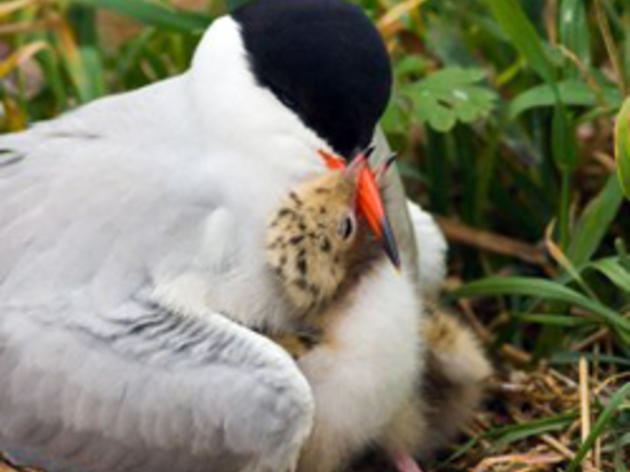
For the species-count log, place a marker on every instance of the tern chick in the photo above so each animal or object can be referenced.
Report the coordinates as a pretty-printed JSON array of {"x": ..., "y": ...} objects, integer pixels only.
[
  {"x": 315, "y": 248},
  {"x": 448, "y": 392},
  {"x": 319, "y": 240},
  {"x": 319, "y": 246},
  {"x": 313, "y": 241}
]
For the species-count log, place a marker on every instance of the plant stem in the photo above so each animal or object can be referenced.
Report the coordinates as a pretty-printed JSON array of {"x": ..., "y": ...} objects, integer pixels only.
[
  {"x": 565, "y": 203},
  {"x": 611, "y": 47}
]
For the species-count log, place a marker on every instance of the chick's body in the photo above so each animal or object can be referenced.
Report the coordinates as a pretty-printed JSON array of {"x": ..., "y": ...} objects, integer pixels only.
[
  {"x": 355, "y": 330},
  {"x": 448, "y": 391},
  {"x": 323, "y": 258}
]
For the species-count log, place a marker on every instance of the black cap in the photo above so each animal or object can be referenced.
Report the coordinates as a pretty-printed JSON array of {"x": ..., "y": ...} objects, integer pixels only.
[{"x": 325, "y": 60}]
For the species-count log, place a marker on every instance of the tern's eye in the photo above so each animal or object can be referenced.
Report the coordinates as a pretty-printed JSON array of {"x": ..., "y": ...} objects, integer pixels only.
[{"x": 347, "y": 227}]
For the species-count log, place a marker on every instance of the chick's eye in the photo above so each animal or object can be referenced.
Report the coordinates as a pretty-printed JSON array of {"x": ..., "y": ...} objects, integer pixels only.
[{"x": 347, "y": 227}]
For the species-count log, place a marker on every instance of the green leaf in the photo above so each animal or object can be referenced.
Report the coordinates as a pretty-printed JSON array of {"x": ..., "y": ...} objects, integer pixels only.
[
  {"x": 49, "y": 62},
  {"x": 154, "y": 14},
  {"x": 93, "y": 64},
  {"x": 554, "y": 320},
  {"x": 411, "y": 65},
  {"x": 622, "y": 147},
  {"x": 90, "y": 65},
  {"x": 450, "y": 95},
  {"x": 594, "y": 223},
  {"x": 548, "y": 290},
  {"x": 574, "y": 31},
  {"x": 517, "y": 432},
  {"x": 523, "y": 36},
  {"x": 563, "y": 140},
  {"x": 598, "y": 428},
  {"x": 394, "y": 119},
  {"x": 572, "y": 92},
  {"x": 622, "y": 253},
  {"x": 565, "y": 156},
  {"x": 613, "y": 271},
  {"x": 626, "y": 44},
  {"x": 129, "y": 55}
]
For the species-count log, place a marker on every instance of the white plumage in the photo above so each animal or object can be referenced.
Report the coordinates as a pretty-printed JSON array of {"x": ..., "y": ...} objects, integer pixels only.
[
  {"x": 431, "y": 250},
  {"x": 131, "y": 265}
]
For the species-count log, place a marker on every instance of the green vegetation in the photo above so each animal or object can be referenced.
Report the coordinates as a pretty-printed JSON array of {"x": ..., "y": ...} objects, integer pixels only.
[{"x": 510, "y": 121}]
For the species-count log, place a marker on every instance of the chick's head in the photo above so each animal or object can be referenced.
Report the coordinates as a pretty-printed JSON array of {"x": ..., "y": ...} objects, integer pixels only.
[{"x": 315, "y": 237}]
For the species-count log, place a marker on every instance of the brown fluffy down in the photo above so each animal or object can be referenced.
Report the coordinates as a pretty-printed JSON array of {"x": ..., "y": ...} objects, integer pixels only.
[{"x": 450, "y": 390}]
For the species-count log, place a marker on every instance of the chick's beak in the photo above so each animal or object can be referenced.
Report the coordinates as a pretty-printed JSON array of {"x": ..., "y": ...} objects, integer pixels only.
[
  {"x": 370, "y": 205},
  {"x": 369, "y": 201}
]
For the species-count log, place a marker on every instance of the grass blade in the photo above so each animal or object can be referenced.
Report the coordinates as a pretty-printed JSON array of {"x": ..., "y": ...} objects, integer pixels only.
[
  {"x": 572, "y": 92},
  {"x": 523, "y": 36},
  {"x": 83, "y": 21},
  {"x": 544, "y": 289},
  {"x": 622, "y": 147},
  {"x": 595, "y": 223},
  {"x": 154, "y": 14},
  {"x": 613, "y": 271},
  {"x": 554, "y": 320},
  {"x": 50, "y": 64},
  {"x": 517, "y": 432},
  {"x": 73, "y": 62},
  {"x": 9, "y": 7},
  {"x": 574, "y": 31},
  {"x": 600, "y": 424},
  {"x": 565, "y": 156},
  {"x": 19, "y": 57}
]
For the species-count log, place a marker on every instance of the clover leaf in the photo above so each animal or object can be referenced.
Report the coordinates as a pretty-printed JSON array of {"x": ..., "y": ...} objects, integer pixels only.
[{"x": 449, "y": 95}]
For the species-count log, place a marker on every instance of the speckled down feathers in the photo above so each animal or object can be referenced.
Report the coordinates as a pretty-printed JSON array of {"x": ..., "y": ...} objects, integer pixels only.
[
  {"x": 448, "y": 392},
  {"x": 311, "y": 257}
]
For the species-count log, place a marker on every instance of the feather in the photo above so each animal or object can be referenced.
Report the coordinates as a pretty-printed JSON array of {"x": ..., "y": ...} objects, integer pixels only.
[
  {"x": 115, "y": 261},
  {"x": 153, "y": 390}
]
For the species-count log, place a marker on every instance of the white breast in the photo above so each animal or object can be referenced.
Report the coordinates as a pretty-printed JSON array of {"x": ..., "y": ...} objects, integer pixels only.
[{"x": 363, "y": 375}]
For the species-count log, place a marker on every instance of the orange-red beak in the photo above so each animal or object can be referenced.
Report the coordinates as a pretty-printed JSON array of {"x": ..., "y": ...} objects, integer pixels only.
[{"x": 370, "y": 205}]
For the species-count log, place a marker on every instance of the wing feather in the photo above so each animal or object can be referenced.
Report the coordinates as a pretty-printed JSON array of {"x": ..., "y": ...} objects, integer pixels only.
[
  {"x": 97, "y": 372},
  {"x": 196, "y": 392}
]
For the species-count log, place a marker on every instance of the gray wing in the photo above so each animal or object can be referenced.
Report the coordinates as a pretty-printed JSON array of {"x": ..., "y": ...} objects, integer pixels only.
[
  {"x": 110, "y": 356},
  {"x": 151, "y": 390}
]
